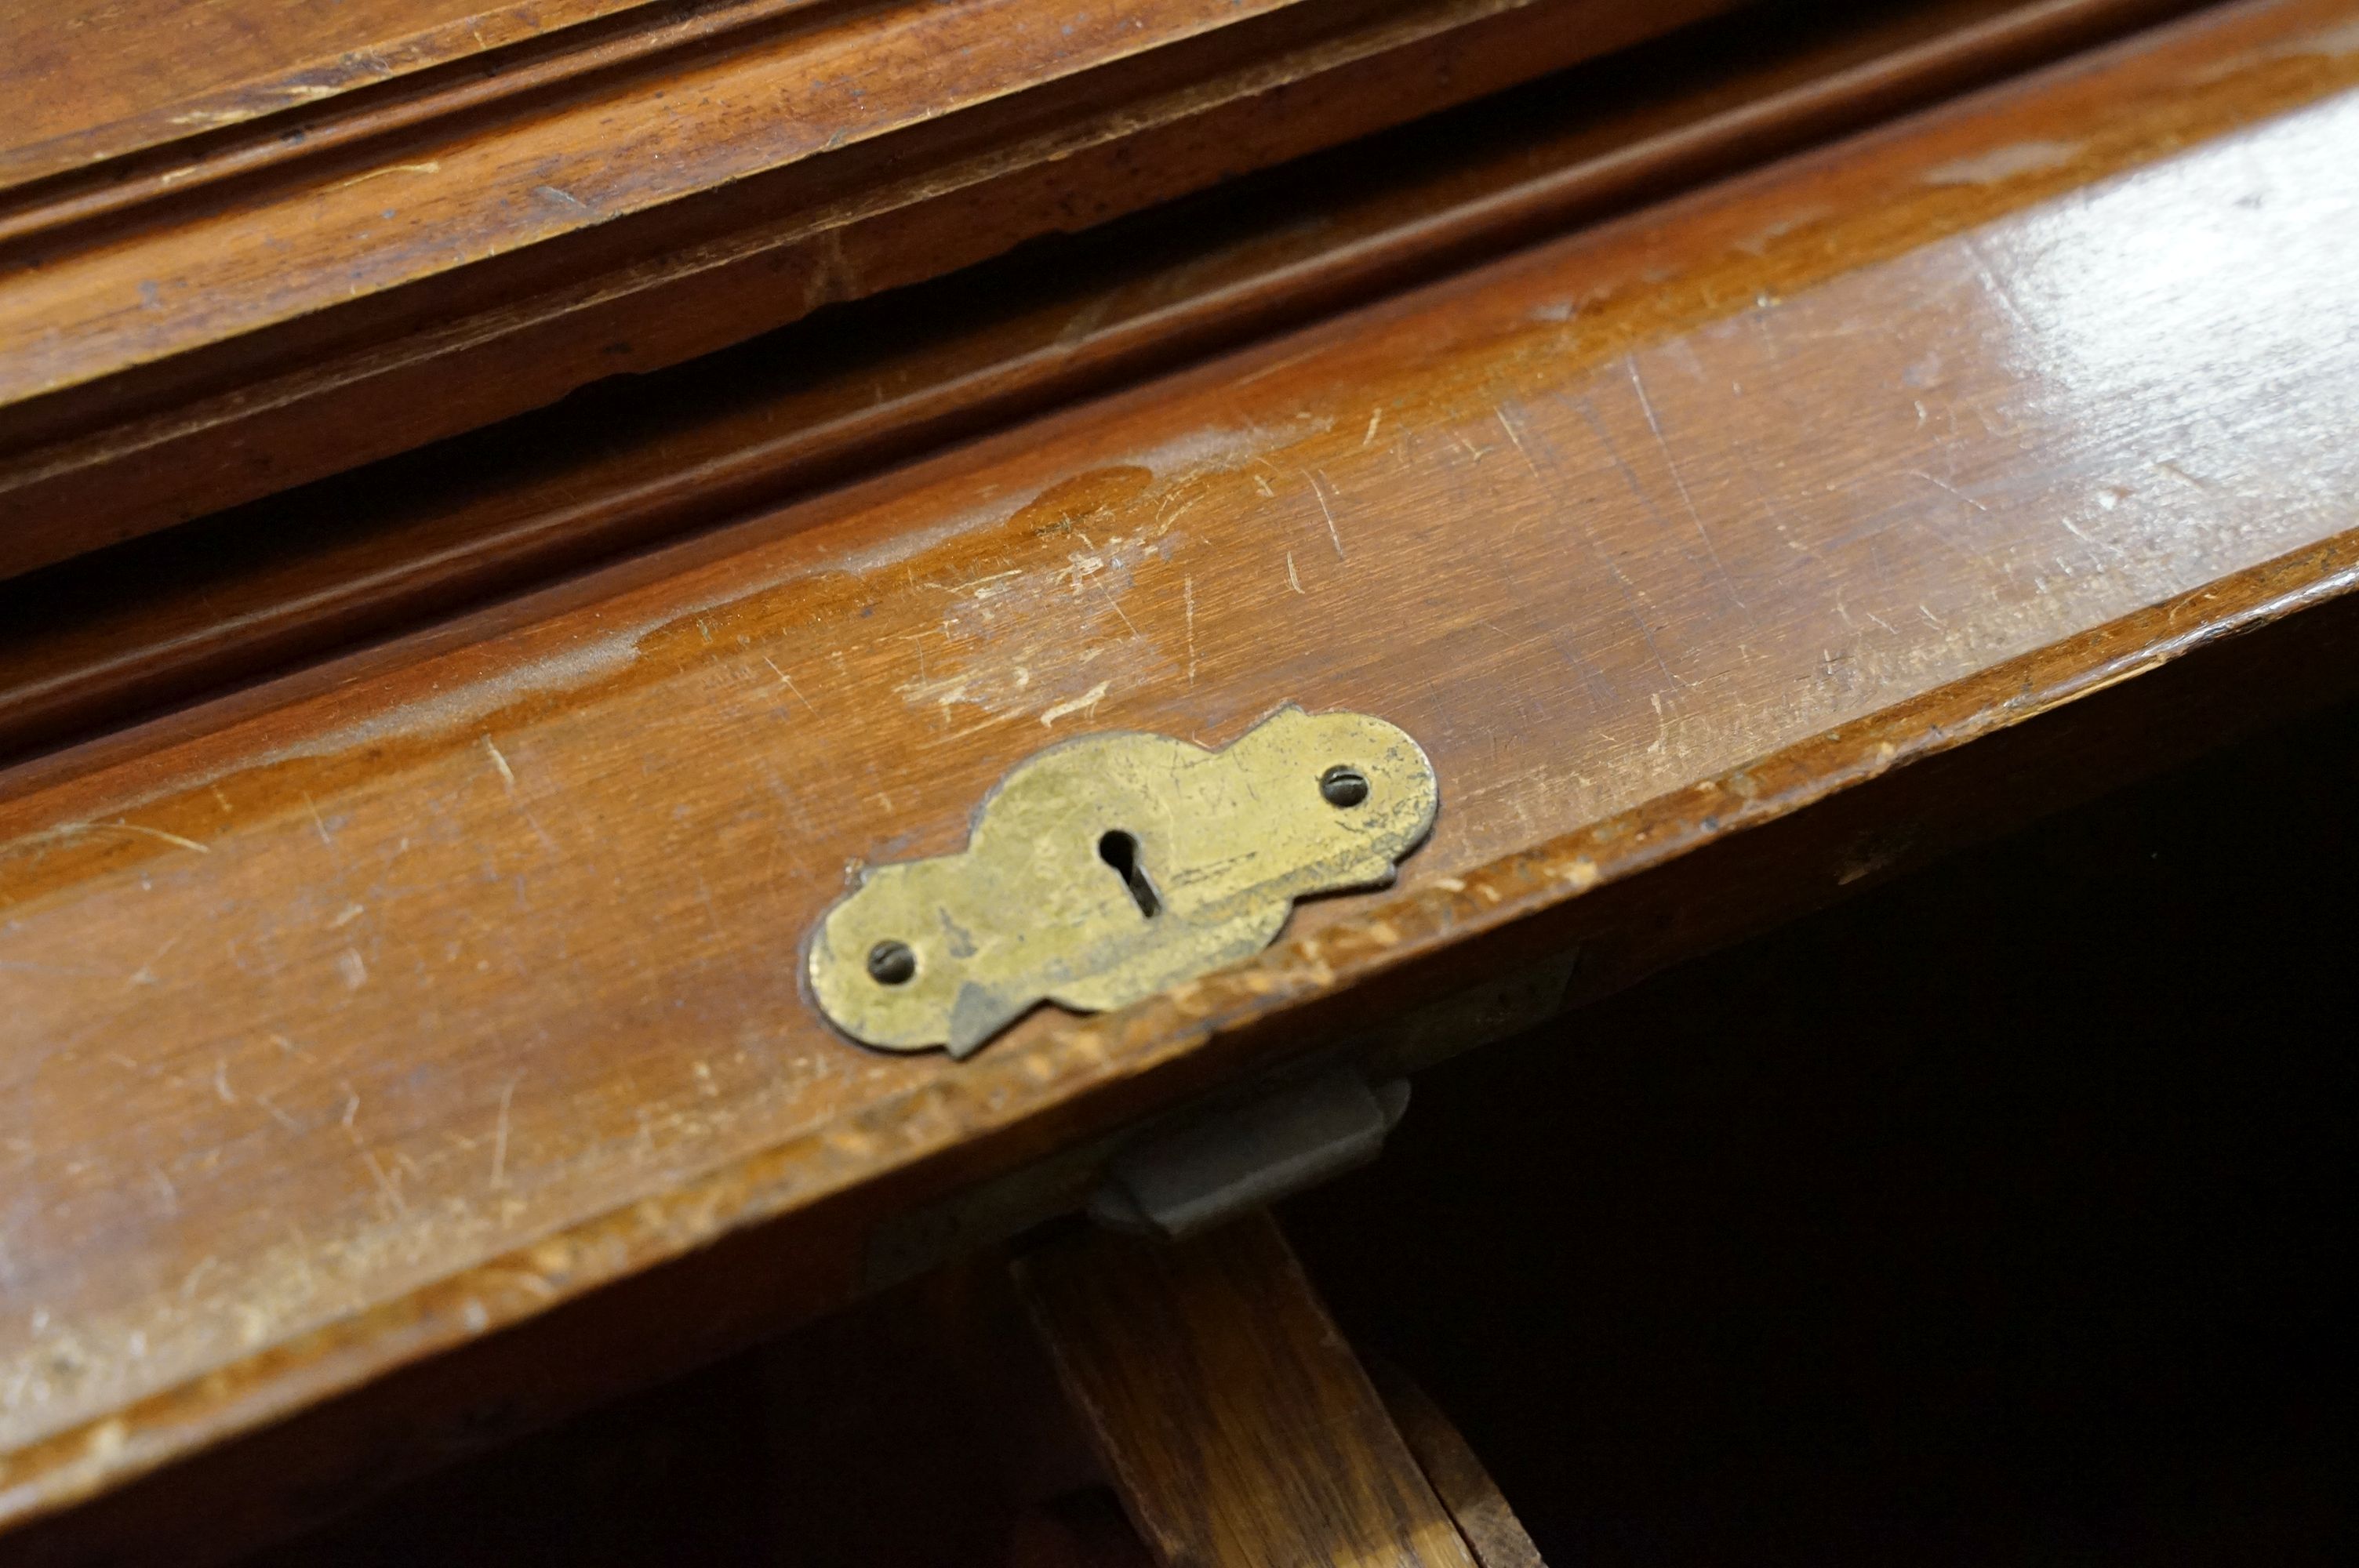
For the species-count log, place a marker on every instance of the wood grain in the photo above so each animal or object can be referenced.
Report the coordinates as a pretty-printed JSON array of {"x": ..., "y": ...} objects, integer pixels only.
[
  {"x": 1484, "y": 1517},
  {"x": 389, "y": 290},
  {"x": 102, "y": 640},
  {"x": 95, "y": 82},
  {"x": 354, "y": 1019},
  {"x": 1237, "y": 1424}
]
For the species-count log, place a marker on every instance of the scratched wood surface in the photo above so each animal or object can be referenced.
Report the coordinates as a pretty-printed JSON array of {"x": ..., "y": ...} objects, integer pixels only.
[
  {"x": 353, "y": 1019},
  {"x": 1233, "y": 1418},
  {"x": 115, "y": 637},
  {"x": 403, "y": 271}
]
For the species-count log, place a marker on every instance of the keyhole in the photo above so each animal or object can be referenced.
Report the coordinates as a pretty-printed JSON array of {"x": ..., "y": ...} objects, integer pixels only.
[{"x": 1119, "y": 850}]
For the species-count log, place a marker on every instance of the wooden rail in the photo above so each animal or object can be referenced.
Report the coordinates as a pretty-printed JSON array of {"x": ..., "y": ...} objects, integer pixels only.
[{"x": 219, "y": 319}]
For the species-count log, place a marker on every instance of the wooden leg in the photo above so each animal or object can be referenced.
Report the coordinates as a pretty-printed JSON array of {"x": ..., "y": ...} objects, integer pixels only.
[
  {"x": 1240, "y": 1429},
  {"x": 1490, "y": 1527}
]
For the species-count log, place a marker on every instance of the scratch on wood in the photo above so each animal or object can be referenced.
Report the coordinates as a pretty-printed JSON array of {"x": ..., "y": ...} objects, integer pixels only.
[
  {"x": 384, "y": 1182},
  {"x": 145, "y": 975},
  {"x": 1188, "y": 600},
  {"x": 205, "y": 1265},
  {"x": 563, "y": 197},
  {"x": 978, "y": 588},
  {"x": 2175, "y": 472},
  {"x": 1953, "y": 490},
  {"x": 431, "y": 166},
  {"x": 1993, "y": 286},
  {"x": 1512, "y": 435},
  {"x": 1292, "y": 581},
  {"x": 1319, "y": 490},
  {"x": 1173, "y": 507},
  {"x": 2094, "y": 542},
  {"x": 1085, "y": 703},
  {"x": 160, "y": 833},
  {"x": 1287, "y": 363},
  {"x": 1632, "y": 597},
  {"x": 1114, "y": 605},
  {"x": 790, "y": 685},
  {"x": 1376, "y": 417},
  {"x": 353, "y": 971},
  {"x": 1998, "y": 166},
  {"x": 500, "y": 1134},
  {"x": 1672, "y": 462}
]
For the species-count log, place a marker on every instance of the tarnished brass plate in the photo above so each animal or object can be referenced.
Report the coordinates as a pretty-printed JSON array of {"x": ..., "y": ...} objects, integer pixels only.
[{"x": 1106, "y": 868}]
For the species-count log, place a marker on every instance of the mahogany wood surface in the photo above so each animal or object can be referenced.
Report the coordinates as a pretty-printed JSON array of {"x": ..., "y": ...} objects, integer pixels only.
[
  {"x": 129, "y": 632},
  {"x": 95, "y": 80},
  {"x": 1236, "y": 1423},
  {"x": 363, "y": 292},
  {"x": 351, "y": 1019}
]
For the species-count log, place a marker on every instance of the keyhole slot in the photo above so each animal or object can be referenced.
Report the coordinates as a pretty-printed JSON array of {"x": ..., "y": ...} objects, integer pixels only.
[{"x": 1119, "y": 850}]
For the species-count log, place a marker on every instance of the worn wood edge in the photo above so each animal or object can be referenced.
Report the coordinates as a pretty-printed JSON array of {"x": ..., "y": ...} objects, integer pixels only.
[
  {"x": 202, "y": 432},
  {"x": 522, "y": 534},
  {"x": 963, "y": 1127}
]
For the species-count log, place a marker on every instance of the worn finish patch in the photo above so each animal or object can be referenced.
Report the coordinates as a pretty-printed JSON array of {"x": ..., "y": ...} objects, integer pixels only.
[{"x": 1110, "y": 867}]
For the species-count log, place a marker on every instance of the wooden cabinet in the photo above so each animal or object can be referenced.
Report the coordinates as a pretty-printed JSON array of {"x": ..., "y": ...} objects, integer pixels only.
[{"x": 586, "y": 486}]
